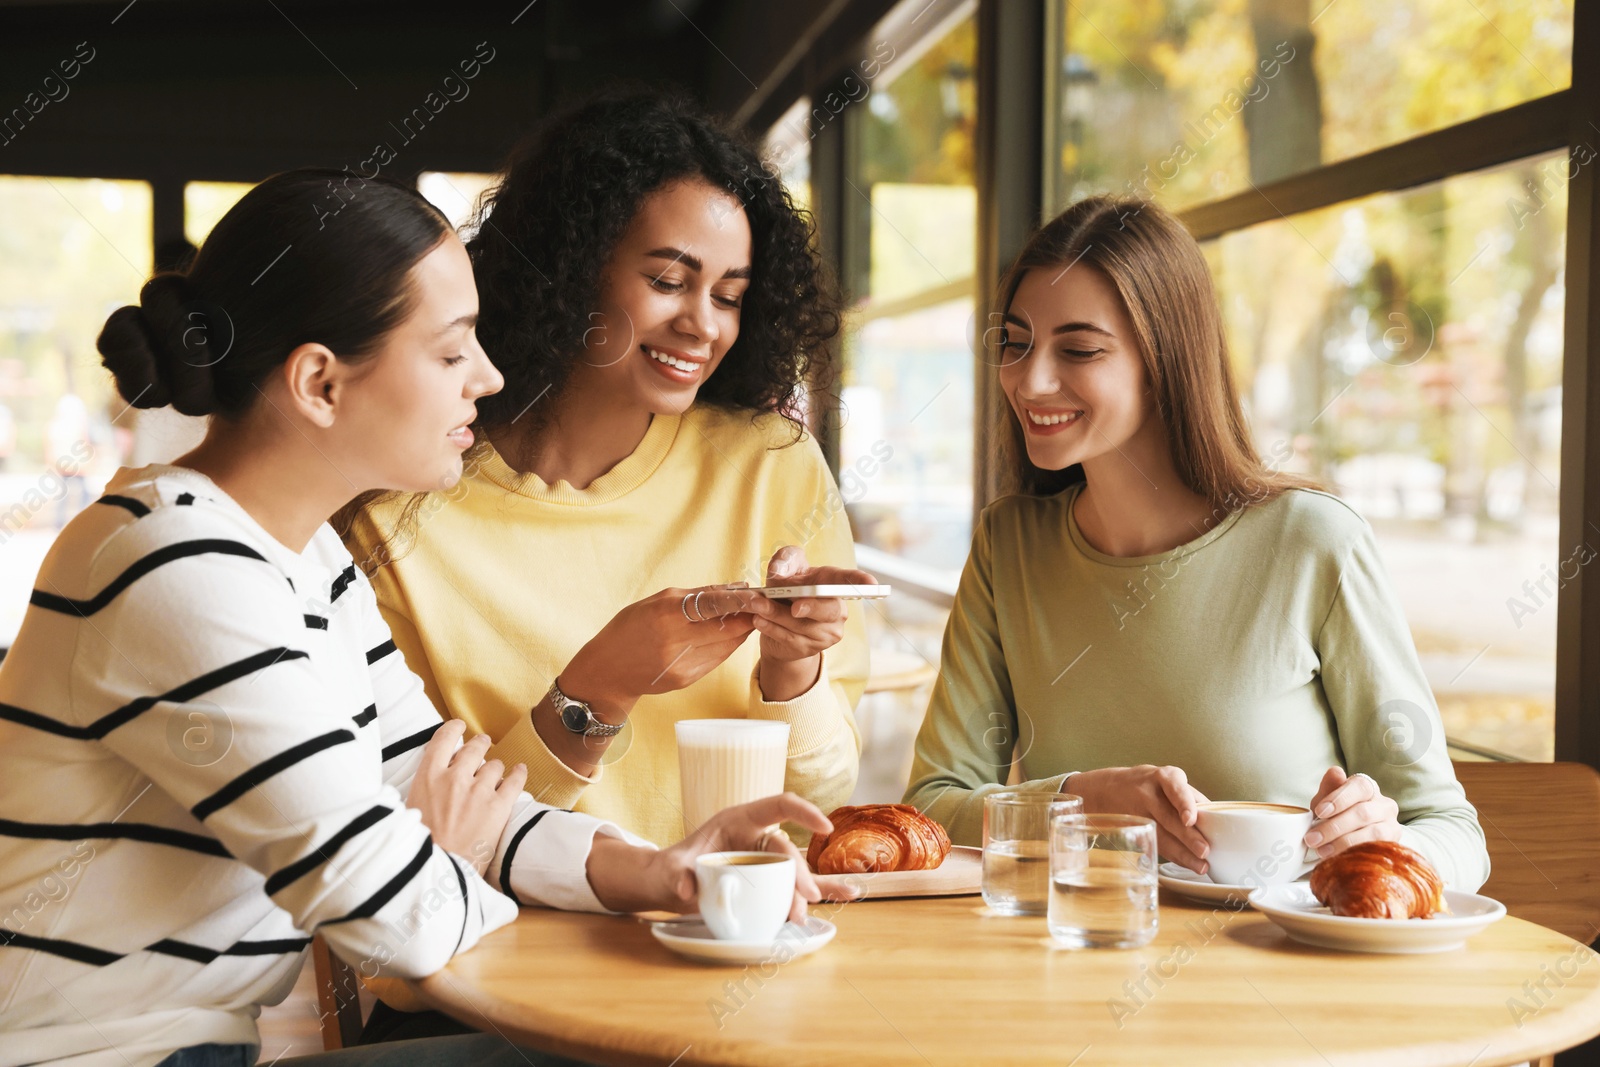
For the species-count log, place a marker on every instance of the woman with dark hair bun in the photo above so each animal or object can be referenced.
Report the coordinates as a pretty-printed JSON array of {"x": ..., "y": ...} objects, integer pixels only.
[
  {"x": 652, "y": 296},
  {"x": 210, "y": 748}
]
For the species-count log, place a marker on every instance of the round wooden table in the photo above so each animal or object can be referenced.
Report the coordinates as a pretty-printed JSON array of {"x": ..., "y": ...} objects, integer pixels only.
[{"x": 942, "y": 981}]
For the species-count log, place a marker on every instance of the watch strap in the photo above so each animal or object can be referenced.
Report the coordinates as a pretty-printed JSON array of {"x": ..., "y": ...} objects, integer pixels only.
[{"x": 593, "y": 727}]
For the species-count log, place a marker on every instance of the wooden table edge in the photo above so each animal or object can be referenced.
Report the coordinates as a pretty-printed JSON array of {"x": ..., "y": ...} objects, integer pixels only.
[
  {"x": 1548, "y": 1034},
  {"x": 633, "y": 1049}
]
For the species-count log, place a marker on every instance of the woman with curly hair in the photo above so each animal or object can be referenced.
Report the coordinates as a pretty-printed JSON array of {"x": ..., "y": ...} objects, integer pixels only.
[{"x": 650, "y": 293}]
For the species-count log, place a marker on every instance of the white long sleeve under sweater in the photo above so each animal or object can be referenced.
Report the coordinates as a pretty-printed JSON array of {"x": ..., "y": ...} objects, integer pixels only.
[{"x": 205, "y": 742}]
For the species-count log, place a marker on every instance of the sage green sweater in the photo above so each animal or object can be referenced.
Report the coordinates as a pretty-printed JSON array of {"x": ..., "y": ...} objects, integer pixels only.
[{"x": 1254, "y": 657}]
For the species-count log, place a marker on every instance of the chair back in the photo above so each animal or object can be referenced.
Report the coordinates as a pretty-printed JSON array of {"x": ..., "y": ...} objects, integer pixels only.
[
  {"x": 338, "y": 997},
  {"x": 1542, "y": 822}
]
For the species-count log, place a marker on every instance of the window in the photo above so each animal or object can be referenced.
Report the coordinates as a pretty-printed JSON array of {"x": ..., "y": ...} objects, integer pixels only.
[
  {"x": 905, "y": 454},
  {"x": 71, "y": 252},
  {"x": 204, "y": 204},
  {"x": 788, "y": 151},
  {"x": 1188, "y": 101},
  {"x": 1405, "y": 349},
  {"x": 455, "y": 194},
  {"x": 908, "y": 216}
]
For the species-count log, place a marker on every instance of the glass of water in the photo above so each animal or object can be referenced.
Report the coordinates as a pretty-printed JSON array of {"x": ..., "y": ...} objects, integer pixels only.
[
  {"x": 1102, "y": 881},
  {"x": 1016, "y": 848}
]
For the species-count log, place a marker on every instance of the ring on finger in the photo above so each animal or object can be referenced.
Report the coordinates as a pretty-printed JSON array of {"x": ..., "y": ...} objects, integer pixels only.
[
  {"x": 697, "y": 610},
  {"x": 684, "y": 607},
  {"x": 768, "y": 834}
]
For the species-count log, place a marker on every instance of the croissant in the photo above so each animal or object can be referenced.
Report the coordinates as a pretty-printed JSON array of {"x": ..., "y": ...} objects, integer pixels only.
[
  {"x": 1379, "y": 880},
  {"x": 878, "y": 837}
]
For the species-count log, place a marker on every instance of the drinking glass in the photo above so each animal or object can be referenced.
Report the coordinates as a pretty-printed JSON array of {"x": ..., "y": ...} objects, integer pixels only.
[
  {"x": 1102, "y": 881},
  {"x": 1016, "y": 834}
]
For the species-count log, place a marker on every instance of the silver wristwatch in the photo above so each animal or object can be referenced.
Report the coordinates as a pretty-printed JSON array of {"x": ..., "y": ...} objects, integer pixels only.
[{"x": 579, "y": 717}]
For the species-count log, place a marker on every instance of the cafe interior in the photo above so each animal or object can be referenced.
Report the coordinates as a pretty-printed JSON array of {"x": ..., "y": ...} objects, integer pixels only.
[{"x": 1397, "y": 205}]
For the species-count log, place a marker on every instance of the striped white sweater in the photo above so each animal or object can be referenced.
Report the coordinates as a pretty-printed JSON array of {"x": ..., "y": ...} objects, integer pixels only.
[{"x": 205, "y": 742}]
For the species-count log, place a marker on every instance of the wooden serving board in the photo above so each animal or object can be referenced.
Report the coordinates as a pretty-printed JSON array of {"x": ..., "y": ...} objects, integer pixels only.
[{"x": 960, "y": 875}]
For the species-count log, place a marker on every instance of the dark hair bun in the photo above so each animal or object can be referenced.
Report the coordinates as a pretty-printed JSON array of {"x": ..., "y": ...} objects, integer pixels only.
[
  {"x": 161, "y": 351},
  {"x": 272, "y": 275}
]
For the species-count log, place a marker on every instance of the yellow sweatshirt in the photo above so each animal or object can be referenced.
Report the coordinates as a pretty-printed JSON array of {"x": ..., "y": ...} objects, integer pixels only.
[{"x": 508, "y": 577}]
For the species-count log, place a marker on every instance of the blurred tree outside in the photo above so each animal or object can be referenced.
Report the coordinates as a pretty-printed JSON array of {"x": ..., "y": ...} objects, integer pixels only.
[
  {"x": 908, "y": 380},
  {"x": 204, "y": 204},
  {"x": 919, "y": 128},
  {"x": 1142, "y": 77},
  {"x": 71, "y": 252}
]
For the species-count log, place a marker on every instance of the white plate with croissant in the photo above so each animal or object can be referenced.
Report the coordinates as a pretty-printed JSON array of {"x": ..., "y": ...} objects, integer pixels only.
[
  {"x": 893, "y": 850},
  {"x": 1377, "y": 897}
]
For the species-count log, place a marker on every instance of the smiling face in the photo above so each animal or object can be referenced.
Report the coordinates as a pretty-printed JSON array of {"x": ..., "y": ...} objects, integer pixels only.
[
  {"x": 669, "y": 301},
  {"x": 409, "y": 406},
  {"x": 1072, "y": 371}
]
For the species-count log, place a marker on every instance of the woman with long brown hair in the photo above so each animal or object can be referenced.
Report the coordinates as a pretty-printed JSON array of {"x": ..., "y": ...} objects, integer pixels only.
[{"x": 1154, "y": 616}]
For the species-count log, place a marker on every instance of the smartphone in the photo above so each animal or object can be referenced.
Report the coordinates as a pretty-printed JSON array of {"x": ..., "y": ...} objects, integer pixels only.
[{"x": 838, "y": 592}]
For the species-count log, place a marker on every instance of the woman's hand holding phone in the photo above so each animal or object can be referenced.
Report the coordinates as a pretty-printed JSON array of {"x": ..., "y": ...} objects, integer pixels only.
[
  {"x": 663, "y": 643},
  {"x": 796, "y": 633}
]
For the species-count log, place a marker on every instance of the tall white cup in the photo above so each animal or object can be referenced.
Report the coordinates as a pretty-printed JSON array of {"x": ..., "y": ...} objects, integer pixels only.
[{"x": 723, "y": 762}]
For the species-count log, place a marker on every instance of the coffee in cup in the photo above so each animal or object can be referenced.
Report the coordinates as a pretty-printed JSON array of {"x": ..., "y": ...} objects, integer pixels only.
[
  {"x": 745, "y": 896},
  {"x": 1255, "y": 844}
]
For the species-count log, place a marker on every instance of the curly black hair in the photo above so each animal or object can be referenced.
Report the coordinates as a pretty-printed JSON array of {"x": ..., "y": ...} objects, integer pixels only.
[{"x": 546, "y": 233}]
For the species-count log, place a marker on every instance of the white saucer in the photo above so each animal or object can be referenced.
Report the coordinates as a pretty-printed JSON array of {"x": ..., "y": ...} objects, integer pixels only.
[
  {"x": 692, "y": 939},
  {"x": 1294, "y": 908},
  {"x": 1186, "y": 883}
]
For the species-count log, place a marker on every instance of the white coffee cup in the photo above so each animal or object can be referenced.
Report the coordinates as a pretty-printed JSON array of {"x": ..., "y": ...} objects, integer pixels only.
[
  {"x": 745, "y": 896},
  {"x": 1255, "y": 844},
  {"x": 723, "y": 762}
]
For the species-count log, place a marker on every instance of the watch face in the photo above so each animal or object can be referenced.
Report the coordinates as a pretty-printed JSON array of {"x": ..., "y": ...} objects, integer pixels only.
[{"x": 575, "y": 717}]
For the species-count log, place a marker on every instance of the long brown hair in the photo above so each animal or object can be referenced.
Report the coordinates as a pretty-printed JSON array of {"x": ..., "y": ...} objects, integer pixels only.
[{"x": 1162, "y": 278}]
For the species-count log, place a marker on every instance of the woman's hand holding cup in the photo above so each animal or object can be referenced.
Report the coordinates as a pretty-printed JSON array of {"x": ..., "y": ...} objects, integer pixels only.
[
  {"x": 630, "y": 879},
  {"x": 1160, "y": 793},
  {"x": 1350, "y": 809}
]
